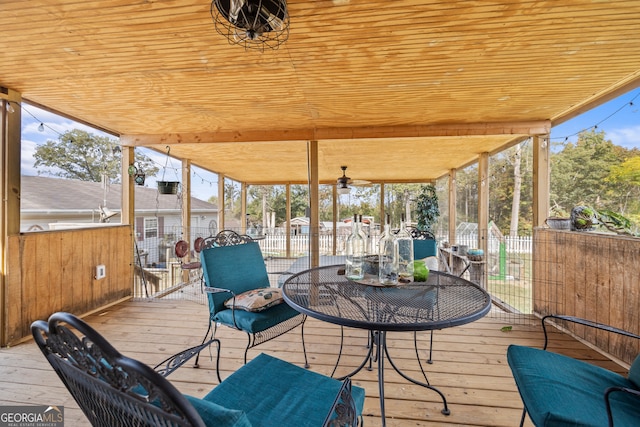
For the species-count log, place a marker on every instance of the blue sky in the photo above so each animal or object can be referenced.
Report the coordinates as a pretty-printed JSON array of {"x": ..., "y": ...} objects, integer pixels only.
[
  {"x": 619, "y": 118},
  {"x": 205, "y": 184}
]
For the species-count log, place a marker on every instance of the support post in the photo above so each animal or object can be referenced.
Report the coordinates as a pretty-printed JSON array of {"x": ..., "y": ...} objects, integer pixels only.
[
  {"x": 221, "y": 203},
  {"x": 127, "y": 213},
  {"x": 334, "y": 232},
  {"x": 128, "y": 203},
  {"x": 186, "y": 201},
  {"x": 382, "y": 206},
  {"x": 453, "y": 217},
  {"x": 483, "y": 208},
  {"x": 243, "y": 208},
  {"x": 288, "y": 230},
  {"x": 314, "y": 198},
  {"x": 10, "y": 148},
  {"x": 541, "y": 179}
]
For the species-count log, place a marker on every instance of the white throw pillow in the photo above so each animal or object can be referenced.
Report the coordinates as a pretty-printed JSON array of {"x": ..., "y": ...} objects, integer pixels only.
[{"x": 256, "y": 299}]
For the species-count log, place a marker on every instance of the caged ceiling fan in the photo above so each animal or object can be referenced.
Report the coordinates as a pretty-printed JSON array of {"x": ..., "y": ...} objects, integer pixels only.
[
  {"x": 344, "y": 181},
  {"x": 254, "y": 24}
]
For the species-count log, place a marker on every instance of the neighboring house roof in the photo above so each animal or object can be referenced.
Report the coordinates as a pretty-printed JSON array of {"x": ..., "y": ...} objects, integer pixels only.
[{"x": 40, "y": 194}]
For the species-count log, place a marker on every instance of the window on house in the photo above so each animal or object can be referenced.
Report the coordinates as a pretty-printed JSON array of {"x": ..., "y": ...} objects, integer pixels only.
[{"x": 150, "y": 227}]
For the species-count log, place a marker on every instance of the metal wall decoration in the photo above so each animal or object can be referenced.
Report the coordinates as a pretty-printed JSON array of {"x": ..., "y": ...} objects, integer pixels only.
[
  {"x": 138, "y": 174},
  {"x": 254, "y": 24}
]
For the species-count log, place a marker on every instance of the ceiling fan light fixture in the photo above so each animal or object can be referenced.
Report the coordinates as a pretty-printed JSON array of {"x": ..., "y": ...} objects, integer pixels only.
[
  {"x": 343, "y": 189},
  {"x": 254, "y": 24},
  {"x": 343, "y": 182}
]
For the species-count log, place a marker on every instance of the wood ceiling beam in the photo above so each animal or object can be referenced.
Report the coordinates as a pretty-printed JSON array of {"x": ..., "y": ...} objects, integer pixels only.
[{"x": 540, "y": 127}]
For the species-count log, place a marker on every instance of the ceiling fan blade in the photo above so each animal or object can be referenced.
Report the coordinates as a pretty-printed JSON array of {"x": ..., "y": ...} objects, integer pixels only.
[{"x": 359, "y": 182}]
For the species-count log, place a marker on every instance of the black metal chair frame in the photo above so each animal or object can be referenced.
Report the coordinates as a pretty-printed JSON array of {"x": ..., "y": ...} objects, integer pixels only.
[
  {"x": 113, "y": 390},
  {"x": 228, "y": 238},
  {"x": 590, "y": 324},
  {"x": 420, "y": 234}
]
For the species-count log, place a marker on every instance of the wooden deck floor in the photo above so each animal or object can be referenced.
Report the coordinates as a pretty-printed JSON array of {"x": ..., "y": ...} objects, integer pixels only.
[{"x": 469, "y": 366}]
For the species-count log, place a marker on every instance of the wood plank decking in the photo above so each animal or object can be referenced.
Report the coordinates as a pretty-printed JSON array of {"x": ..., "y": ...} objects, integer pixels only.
[{"x": 469, "y": 366}]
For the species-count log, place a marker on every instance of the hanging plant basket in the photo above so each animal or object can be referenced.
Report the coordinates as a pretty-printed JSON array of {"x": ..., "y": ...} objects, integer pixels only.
[{"x": 168, "y": 187}]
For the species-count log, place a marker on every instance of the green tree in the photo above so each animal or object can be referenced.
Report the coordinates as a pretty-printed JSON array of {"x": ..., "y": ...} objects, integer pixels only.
[
  {"x": 580, "y": 173},
  {"x": 232, "y": 205},
  {"x": 467, "y": 194},
  {"x": 263, "y": 201},
  {"x": 504, "y": 201},
  {"x": 400, "y": 198},
  {"x": 626, "y": 178},
  {"x": 86, "y": 157}
]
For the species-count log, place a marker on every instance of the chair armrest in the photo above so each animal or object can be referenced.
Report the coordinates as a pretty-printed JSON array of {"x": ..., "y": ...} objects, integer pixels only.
[
  {"x": 212, "y": 290},
  {"x": 617, "y": 389},
  {"x": 172, "y": 363},
  {"x": 343, "y": 411},
  {"x": 584, "y": 322}
]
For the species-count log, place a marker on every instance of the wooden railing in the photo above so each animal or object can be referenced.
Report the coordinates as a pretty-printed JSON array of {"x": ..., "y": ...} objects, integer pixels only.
[
  {"x": 55, "y": 271},
  {"x": 590, "y": 275}
]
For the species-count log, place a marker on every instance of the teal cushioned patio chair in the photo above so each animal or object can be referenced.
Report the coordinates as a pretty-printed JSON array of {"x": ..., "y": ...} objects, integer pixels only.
[
  {"x": 231, "y": 267},
  {"x": 113, "y": 390},
  {"x": 424, "y": 243},
  {"x": 561, "y": 391}
]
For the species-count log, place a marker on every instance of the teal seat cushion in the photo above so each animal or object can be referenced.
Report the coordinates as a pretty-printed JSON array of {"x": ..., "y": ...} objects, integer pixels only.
[
  {"x": 252, "y": 322},
  {"x": 215, "y": 415},
  {"x": 284, "y": 394},
  {"x": 239, "y": 268},
  {"x": 561, "y": 391}
]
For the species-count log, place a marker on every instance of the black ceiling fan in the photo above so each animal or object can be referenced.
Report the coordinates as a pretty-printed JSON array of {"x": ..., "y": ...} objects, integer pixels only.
[{"x": 344, "y": 181}]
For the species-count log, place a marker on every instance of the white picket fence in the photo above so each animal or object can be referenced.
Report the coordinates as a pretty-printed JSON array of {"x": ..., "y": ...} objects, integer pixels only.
[
  {"x": 518, "y": 244},
  {"x": 275, "y": 245}
]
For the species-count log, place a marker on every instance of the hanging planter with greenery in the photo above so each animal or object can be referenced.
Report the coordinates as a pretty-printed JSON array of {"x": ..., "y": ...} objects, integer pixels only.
[{"x": 428, "y": 211}]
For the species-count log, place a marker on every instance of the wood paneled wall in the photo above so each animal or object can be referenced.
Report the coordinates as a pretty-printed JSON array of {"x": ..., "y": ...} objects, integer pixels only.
[
  {"x": 590, "y": 275},
  {"x": 55, "y": 271}
]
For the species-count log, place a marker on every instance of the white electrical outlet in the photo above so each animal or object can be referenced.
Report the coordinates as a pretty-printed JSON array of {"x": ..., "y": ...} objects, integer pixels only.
[{"x": 101, "y": 272}]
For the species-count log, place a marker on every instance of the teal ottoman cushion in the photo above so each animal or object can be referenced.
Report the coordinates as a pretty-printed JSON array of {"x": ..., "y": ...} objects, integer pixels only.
[
  {"x": 561, "y": 391},
  {"x": 215, "y": 415},
  {"x": 634, "y": 372},
  {"x": 272, "y": 392}
]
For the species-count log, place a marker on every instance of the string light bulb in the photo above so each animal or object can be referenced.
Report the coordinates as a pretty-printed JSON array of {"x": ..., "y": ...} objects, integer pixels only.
[
  {"x": 41, "y": 127},
  {"x": 10, "y": 108}
]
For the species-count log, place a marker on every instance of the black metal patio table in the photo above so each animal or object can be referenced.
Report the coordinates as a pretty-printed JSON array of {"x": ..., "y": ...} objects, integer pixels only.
[{"x": 443, "y": 301}]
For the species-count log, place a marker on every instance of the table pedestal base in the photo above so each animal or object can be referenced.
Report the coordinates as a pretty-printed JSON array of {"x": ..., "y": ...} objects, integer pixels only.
[{"x": 379, "y": 341}]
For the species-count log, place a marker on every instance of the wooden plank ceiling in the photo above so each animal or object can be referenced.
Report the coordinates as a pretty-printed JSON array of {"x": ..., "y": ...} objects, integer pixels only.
[{"x": 397, "y": 90}]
